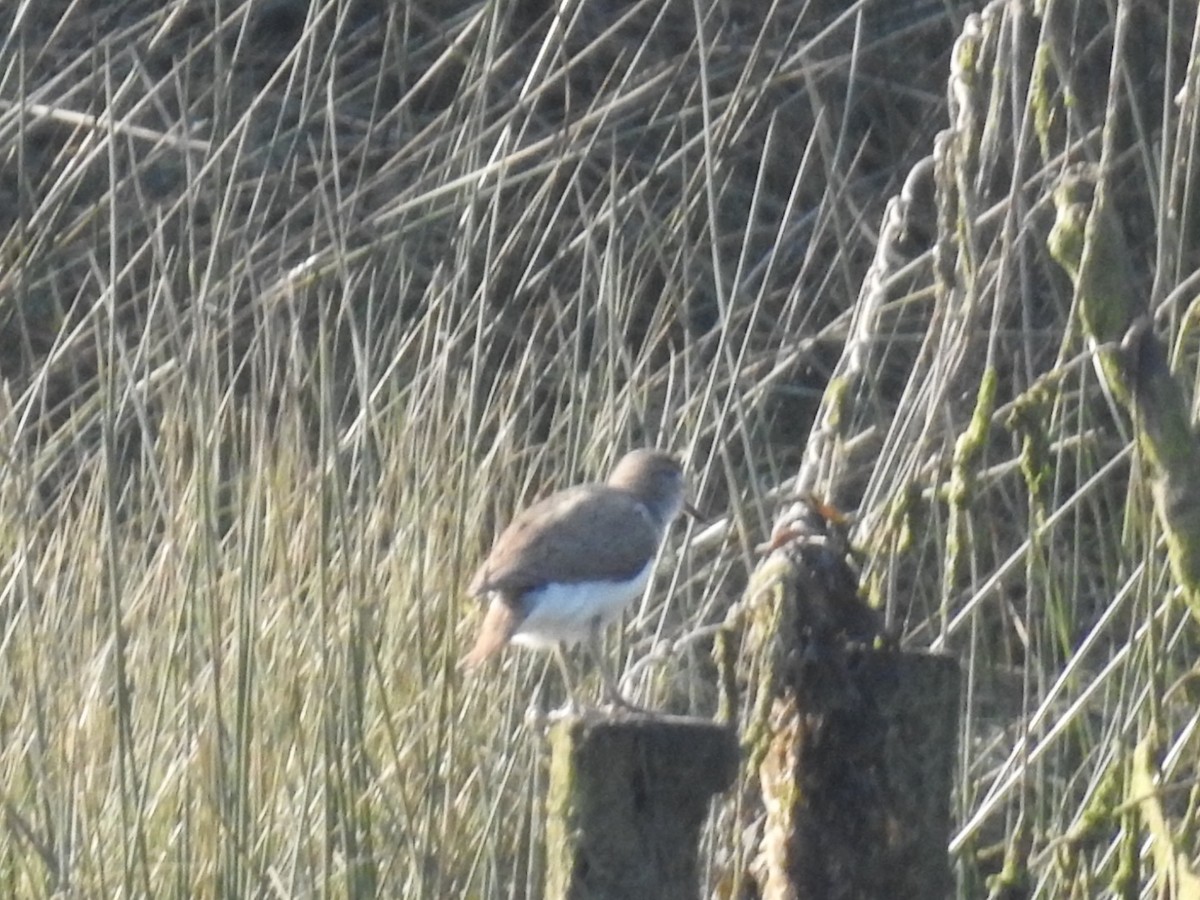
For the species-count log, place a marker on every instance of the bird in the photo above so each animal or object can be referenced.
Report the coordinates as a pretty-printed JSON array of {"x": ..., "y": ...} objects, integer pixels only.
[{"x": 568, "y": 565}]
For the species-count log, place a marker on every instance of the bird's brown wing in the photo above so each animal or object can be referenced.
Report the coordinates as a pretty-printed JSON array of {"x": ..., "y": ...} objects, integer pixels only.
[{"x": 524, "y": 557}]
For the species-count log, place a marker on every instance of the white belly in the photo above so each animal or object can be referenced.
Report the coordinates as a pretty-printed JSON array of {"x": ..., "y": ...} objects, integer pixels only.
[{"x": 565, "y": 612}]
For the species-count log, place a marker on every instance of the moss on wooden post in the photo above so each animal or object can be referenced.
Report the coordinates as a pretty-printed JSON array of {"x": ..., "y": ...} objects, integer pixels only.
[
  {"x": 856, "y": 779},
  {"x": 628, "y": 796},
  {"x": 850, "y": 742}
]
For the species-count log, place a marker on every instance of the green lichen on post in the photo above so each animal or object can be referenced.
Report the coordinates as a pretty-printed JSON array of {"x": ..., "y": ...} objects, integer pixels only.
[
  {"x": 561, "y": 807},
  {"x": 844, "y": 744},
  {"x": 628, "y": 797},
  {"x": 747, "y": 651},
  {"x": 772, "y": 617}
]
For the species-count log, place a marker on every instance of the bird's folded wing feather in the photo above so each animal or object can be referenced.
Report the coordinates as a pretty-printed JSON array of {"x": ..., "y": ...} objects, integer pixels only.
[{"x": 526, "y": 557}]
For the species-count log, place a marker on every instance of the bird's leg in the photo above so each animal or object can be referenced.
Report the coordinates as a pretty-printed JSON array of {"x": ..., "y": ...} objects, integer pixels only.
[
  {"x": 612, "y": 691},
  {"x": 560, "y": 657},
  {"x": 535, "y": 716}
]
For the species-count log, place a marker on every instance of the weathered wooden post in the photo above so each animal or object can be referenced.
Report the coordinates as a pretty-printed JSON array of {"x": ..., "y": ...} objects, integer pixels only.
[
  {"x": 628, "y": 796},
  {"x": 856, "y": 781},
  {"x": 848, "y": 746},
  {"x": 850, "y": 742}
]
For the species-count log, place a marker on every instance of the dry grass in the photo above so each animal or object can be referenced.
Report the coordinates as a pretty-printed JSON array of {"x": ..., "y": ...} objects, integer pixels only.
[{"x": 300, "y": 301}]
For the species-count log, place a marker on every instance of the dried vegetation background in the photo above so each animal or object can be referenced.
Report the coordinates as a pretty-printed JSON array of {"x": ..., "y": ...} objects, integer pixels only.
[{"x": 298, "y": 300}]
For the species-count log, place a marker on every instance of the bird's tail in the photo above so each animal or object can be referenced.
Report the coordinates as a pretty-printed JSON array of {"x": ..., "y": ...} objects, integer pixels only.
[{"x": 499, "y": 622}]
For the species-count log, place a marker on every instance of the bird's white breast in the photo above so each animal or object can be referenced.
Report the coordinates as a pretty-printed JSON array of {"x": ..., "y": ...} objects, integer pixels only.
[{"x": 565, "y": 612}]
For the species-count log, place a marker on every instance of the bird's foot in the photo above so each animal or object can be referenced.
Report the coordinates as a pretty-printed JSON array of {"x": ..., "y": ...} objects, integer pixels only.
[
  {"x": 539, "y": 719},
  {"x": 569, "y": 710},
  {"x": 615, "y": 702},
  {"x": 536, "y": 718}
]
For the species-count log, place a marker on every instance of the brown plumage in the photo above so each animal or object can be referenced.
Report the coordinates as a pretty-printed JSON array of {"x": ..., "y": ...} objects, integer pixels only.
[
  {"x": 570, "y": 562},
  {"x": 544, "y": 542}
]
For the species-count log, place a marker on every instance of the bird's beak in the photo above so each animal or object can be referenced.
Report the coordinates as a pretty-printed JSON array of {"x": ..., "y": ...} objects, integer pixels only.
[{"x": 693, "y": 512}]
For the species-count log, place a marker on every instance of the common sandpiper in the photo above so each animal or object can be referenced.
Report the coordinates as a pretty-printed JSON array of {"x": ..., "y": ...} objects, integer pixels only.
[{"x": 569, "y": 565}]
